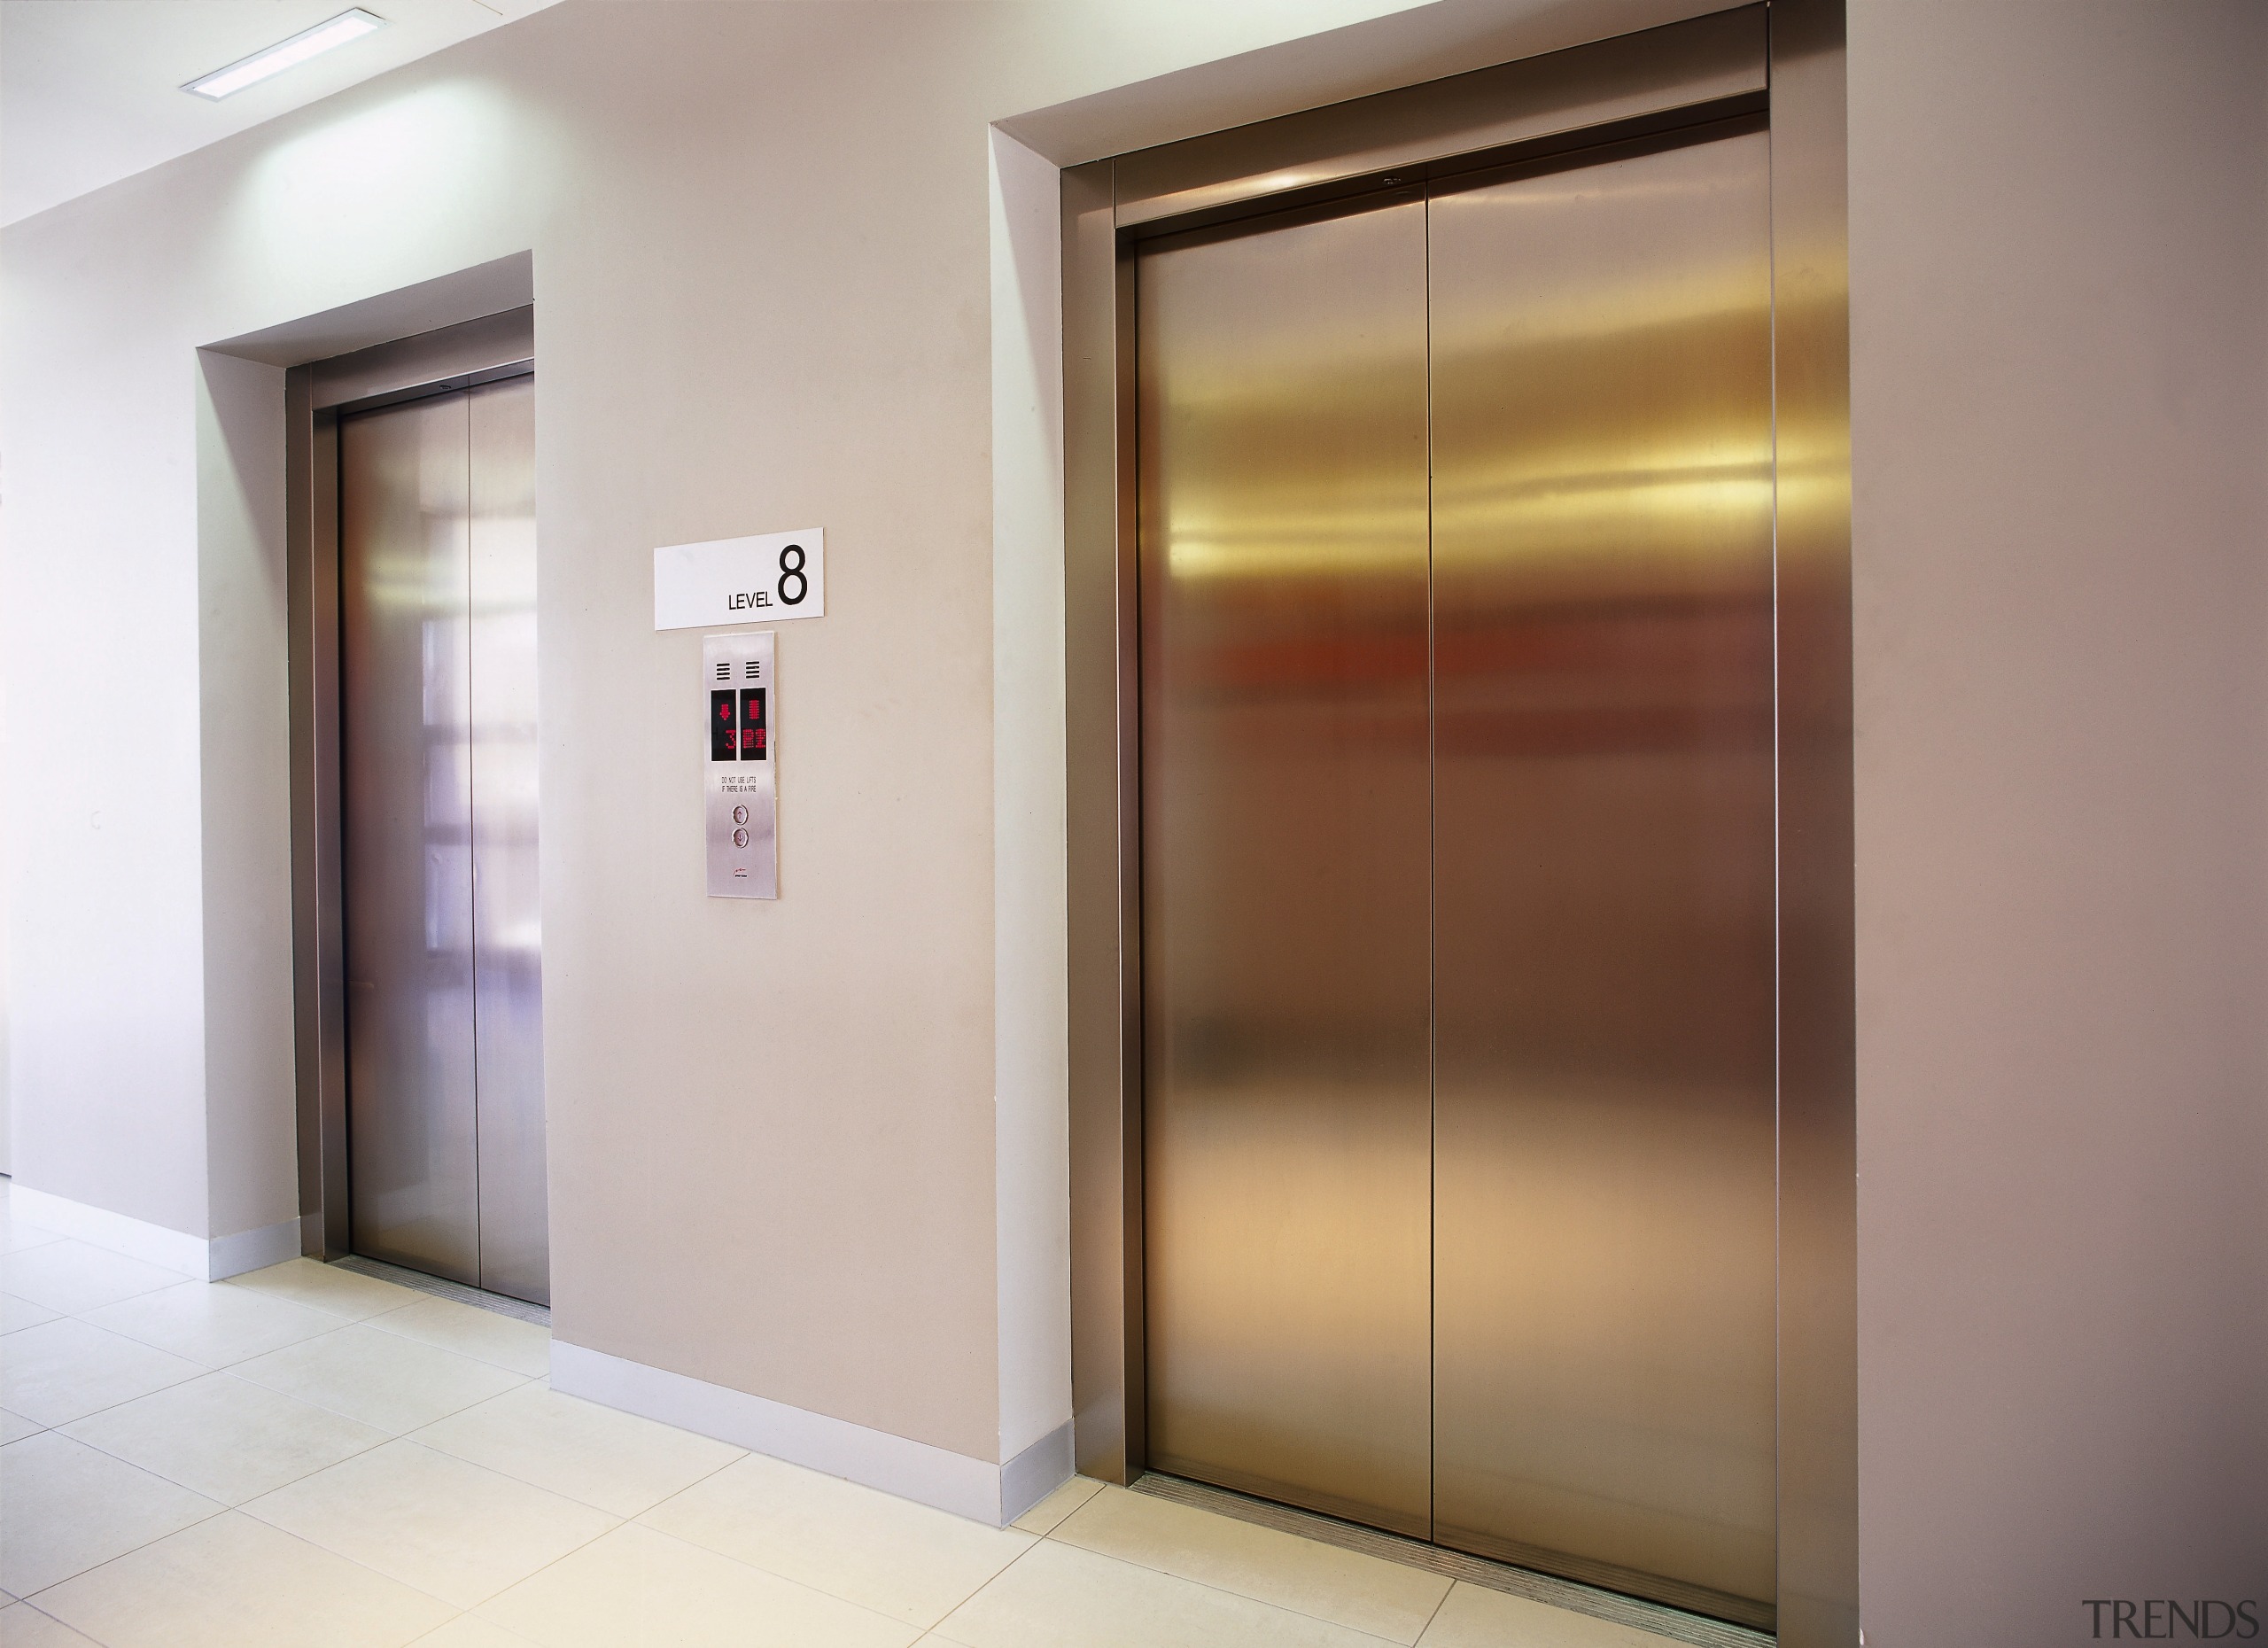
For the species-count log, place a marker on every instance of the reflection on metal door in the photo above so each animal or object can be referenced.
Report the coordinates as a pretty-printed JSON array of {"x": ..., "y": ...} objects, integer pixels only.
[
  {"x": 1283, "y": 489},
  {"x": 443, "y": 937},
  {"x": 1457, "y": 865},
  {"x": 1603, "y": 1268}
]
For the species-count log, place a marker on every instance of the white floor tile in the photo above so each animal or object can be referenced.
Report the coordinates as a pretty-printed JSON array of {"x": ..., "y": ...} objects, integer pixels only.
[
  {"x": 326, "y": 1288},
  {"x": 1384, "y": 1598},
  {"x": 16, "y": 1235},
  {"x": 119, "y": 1451},
  {"x": 74, "y": 1276},
  {"x": 1475, "y": 1616},
  {"x": 897, "y": 1558},
  {"x": 23, "y": 1626},
  {"x": 1058, "y": 1596},
  {"x": 1045, "y": 1516},
  {"x": 384, "y": 1379},
  {"x": 225, "y": 1437},
  {"x": 233, "y": 1582},
  {"x": 451, "y": 1529},
  {"x": 66, "y": 1369},
  {"x": 521, "y": 1346},
  {"x": 636, "y": 1586},
  {"x": 618, "y": 1462},
  {"x": 66, "y": 1507},
  {"x": 211, "y": 1323},
  {"x": 15, "y": 1313}
]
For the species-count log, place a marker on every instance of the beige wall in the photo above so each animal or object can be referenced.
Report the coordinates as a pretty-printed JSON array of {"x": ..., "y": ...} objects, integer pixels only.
[
  {"x": 788, "y": 1141},
  {"x": 2060, "y": 351}
]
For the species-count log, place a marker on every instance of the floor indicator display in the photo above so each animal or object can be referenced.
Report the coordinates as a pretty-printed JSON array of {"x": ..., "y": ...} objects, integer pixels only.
[{"x": 742, "y": 783}]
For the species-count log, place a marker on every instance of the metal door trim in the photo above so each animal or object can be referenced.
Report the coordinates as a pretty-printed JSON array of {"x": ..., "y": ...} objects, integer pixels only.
[
  {"x": 1105, "y": 205},
  {"x": 314, "y": 396},
  {"x": 439, "y": 386},
  {"x": 1562, "y": 96}
]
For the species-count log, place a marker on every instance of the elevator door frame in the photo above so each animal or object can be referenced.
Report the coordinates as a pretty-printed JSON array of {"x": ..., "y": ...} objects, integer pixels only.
[
  {"x": 1786, "y": 60},
  {"x": 316, "y": 396}
]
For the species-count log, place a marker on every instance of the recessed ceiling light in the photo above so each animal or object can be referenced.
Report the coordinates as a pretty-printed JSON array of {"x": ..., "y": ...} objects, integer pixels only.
[{"x": 308, "y": 43}]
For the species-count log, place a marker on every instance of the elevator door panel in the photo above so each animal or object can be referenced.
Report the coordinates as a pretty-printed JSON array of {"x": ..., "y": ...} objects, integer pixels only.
[
  {"x": 407, "y": 784},
  {"x": 1282, "y": 563},
  {"x": 1603, "y": 850},
  {"x": 444, "y": 1028},
  {"x": 506, "y": 902}
]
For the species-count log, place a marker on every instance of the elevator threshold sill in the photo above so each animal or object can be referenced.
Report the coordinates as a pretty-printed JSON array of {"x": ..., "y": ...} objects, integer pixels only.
[
  {"x": 1673, "y": 1623},
  {"x": 441, "y": 1288}
]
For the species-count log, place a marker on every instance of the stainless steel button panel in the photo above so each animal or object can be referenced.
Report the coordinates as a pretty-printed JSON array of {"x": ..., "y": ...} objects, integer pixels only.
[{"x": 741, "y": 698}]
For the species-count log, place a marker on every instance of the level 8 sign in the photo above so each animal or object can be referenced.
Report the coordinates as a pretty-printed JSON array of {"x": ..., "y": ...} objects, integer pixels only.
[{"x": 770, "y": 577}]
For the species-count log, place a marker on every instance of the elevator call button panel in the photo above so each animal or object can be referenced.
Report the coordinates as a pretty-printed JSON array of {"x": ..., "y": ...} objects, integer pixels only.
[{"x": 742, "y": 767}]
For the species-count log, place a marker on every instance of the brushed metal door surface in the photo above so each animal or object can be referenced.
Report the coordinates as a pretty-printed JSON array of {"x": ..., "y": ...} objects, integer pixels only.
[
  {"x": 1282, "y": 498},
  {"x": 406, "y": 772},
  {"x": 443, "y": 913},
  {"x": 1603, "y": 582},
  {"x": 508, "y": 906}
]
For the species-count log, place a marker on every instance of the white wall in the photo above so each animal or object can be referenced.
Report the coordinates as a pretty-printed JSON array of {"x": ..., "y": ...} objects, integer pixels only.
[
  {"x": 251, "y": 1160},
  {"x": 1030, "y": 1007},
  {"x": 107, "y": 985},
  {"x": 2060, "y": 366}
]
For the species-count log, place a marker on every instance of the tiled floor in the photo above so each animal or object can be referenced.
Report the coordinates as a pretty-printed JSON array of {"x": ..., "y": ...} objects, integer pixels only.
[{"x": 306, "y": 1458}]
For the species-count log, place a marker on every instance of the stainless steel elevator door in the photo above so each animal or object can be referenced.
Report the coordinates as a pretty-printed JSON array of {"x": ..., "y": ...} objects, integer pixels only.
[
  {"x": 443, "y": 937},
  {"x": 1603, "y": 848},
  {"x": 1457, "y": 857},
  {"x": 1288, "y": 1160},
  {"x": 507, "y": 902},
  {"x": 407, "y": 789}
]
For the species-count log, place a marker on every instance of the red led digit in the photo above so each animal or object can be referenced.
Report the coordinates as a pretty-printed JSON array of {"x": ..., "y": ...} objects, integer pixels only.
[
  {"x": 753, "y": 747},
  {"x": 724, "y": 738}
]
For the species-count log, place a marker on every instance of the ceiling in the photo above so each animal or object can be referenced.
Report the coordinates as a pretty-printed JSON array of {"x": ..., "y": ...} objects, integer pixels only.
[{"x": 89, "y": 88}]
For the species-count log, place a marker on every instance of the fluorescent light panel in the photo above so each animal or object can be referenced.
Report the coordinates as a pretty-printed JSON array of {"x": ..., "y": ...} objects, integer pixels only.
[{"x": 308, "y": 43}]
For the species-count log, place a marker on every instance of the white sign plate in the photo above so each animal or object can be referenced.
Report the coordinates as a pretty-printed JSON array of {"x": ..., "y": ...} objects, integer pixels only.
[{"x": 768, "y": 578}]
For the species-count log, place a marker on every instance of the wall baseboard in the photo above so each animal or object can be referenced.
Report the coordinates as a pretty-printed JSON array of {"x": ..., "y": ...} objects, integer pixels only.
[
  {"x": 1036, "y": 1473},
  {"x": 975, "y": 1489},
  {"x": 252, "y": 1250},
  {"x": 198, "y": 1257}
]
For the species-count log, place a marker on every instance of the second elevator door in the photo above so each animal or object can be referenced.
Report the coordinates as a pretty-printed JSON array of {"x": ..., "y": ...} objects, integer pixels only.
[
  {"x": 1457, "y": 865},
  {"x": 443, "y": 917}
]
